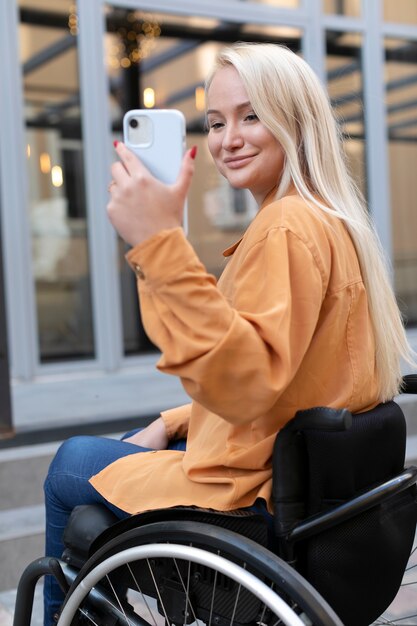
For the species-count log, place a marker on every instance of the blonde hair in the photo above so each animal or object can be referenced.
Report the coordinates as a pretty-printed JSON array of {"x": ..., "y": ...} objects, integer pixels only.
[{"x": 288, "y": 98}]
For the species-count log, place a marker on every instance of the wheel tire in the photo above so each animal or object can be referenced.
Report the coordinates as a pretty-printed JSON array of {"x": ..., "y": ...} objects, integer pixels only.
[{"x": 250, "y": 557}]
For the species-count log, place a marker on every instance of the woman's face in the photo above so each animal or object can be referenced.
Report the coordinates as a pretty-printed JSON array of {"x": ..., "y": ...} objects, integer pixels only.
[{"x": 244, "y": 150}]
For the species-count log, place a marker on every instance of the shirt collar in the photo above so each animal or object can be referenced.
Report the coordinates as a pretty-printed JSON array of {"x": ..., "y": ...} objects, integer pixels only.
[{"x": 268, "y": 199}]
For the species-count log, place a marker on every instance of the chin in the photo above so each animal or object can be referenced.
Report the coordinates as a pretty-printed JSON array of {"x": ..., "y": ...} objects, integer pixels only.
[{"x": 239, "y": 182}]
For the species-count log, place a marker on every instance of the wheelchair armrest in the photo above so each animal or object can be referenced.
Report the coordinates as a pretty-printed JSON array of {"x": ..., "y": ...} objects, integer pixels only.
[{"x": 323, "y": 521}]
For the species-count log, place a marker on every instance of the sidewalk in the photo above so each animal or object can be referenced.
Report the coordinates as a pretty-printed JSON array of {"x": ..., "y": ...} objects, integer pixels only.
[
  {"x": 7, "y": 602},
  {"x": 5, "y": 617},
  {"x": 404, "y": 608}
]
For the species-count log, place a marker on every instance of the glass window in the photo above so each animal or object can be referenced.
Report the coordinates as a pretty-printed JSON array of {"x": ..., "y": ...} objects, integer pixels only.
[
  {"x": 352, "y": 8},
  {"x": 161, "y": 60},
  {"x": 344, "y": 83},
  {"x": 400, "y": 11},
  {"x": 57, "y": 208},
  {"x": 285, "y": 4},
  {"x": 401, "y": 102}
]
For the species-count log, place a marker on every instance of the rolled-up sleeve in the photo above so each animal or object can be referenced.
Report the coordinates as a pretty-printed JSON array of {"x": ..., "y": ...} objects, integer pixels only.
[
  {"x": 234, "y": 357},
  {"x": 176, "y": 421}
]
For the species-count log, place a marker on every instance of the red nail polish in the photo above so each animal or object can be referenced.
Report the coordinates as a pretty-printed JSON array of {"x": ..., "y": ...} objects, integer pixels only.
[
  {"x": 193, "y": 152},
  {"x": 115, "y": 142}
]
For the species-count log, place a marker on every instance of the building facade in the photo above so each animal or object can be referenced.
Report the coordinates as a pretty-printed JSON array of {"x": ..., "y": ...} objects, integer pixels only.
[{"x": 69, "y": 71}]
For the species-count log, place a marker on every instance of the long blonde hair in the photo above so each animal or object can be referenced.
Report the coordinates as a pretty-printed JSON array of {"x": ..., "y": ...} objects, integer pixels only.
[{"x": 288, "y": 98}]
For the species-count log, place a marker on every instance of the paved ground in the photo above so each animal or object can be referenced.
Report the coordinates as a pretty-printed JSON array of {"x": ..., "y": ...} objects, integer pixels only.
[
  {"x": 404, "y": 608},
  {"x": 7, "y": 601}
]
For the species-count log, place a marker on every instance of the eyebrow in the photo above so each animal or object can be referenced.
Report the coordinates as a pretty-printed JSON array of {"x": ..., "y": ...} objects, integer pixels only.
[{"x": 244, "y": 105}]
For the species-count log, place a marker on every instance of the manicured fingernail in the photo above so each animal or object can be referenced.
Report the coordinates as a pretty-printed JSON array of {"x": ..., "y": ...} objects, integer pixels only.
[
  {"x": 193, "y": 152},
  {"x": 115, "y": 142}
]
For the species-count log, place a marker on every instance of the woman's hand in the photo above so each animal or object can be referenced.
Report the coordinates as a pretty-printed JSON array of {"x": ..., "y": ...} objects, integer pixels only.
[
  {"x": 140, "y": 205},
  {"x": 153, "y": 436}
]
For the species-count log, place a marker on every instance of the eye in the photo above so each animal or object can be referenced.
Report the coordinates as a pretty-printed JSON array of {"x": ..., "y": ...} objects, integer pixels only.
[
  {"x": 251, "y": 117},
  {"x": 215, "y": 125}
]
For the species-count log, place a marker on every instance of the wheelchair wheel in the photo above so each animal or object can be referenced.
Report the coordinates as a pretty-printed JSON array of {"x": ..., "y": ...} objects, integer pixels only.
[{"x": 178, "y": 572}]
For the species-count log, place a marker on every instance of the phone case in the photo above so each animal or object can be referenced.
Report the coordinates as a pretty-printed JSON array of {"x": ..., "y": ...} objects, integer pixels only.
[{"x": 158, "y": 140}]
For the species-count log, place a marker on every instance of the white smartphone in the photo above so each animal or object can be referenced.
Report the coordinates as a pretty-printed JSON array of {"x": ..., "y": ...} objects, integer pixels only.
[{"x": 157, "y": 137}]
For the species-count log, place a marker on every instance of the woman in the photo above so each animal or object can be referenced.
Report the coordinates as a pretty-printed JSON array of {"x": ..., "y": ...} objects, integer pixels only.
[{"x": 303, "y": 314}]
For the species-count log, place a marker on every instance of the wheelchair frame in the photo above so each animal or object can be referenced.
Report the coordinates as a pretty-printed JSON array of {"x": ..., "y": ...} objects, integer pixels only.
[{"x": 292, "y": 528}]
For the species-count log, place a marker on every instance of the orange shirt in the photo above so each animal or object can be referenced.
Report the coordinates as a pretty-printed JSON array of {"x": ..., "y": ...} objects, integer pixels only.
[{"x": 287, "y": 327}]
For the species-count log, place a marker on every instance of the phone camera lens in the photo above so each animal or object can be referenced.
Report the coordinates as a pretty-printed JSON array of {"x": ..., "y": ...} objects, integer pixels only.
[{"x": 134, "y": 123}]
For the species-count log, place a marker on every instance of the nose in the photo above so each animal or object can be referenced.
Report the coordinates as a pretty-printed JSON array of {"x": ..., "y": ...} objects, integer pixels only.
[{"x": 232, "y": 137}]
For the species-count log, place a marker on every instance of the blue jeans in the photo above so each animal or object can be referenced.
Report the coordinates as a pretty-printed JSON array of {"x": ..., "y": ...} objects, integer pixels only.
[{"x": 66, "y": 486}]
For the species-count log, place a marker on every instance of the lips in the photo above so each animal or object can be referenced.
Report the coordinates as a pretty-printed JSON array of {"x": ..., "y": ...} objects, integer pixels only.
[{"x": 236, "y": 162}]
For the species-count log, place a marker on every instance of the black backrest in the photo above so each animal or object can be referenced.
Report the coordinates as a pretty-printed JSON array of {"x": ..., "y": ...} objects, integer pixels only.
[
  {"x": 318, "y": 463},
  {"x": 342, "y": 464}
]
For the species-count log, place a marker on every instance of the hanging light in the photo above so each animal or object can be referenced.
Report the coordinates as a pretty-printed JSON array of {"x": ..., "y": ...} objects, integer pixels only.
[
  {"x": 73, "y": 20},
  {"x": 57, "y": 176},
  {"x": 125, "y": 62},
  {"x": 149, "y": 98},
  {"x": 45, "y": 163},
  {"x": 200, "y": 99}
]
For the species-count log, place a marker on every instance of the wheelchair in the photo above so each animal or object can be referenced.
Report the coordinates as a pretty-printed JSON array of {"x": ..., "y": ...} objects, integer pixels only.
[{"x": 345, "y": 513}]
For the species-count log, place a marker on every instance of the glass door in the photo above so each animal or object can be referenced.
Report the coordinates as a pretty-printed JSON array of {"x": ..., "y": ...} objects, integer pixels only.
[{"x": 54, "y": 155}]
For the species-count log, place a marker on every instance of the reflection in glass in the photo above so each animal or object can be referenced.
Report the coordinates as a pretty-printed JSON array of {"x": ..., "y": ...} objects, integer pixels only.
[
  {"x": 344, "y": 83},
  {"x": 401, "y": 102},
  {"x": 48, "y": 49},
  {"x": 343, "y": 7},
  {"x": 171, "y": 56}
]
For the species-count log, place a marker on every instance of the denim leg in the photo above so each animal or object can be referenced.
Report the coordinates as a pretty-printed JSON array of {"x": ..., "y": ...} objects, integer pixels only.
[{"x": 67, "y": 486}]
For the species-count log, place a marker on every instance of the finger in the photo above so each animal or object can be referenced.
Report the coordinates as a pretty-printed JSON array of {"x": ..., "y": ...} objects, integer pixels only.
[
  {"x": 130, "y": 160},
  {"x": 185, "y": 176},
  {"x": 119, "y": 173}
]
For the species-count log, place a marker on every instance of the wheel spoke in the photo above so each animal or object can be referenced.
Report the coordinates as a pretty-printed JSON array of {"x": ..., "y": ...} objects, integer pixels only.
[
  {"x": 261, "y": 619},
  {"x": 236, "y": 600},
  {"x": 187, "y": 594},
  {"x": 116, "y": 595},
  {"x": 213, "y": 594},
  {"x": 158, "y": 592},
  {"x": 88, "y": 616},
  {"x": 383, "y": 621},
  {"x": 143, "y": 597},
  {"x": 413, "y": 582},
  {"x": 186, "y": 589}
]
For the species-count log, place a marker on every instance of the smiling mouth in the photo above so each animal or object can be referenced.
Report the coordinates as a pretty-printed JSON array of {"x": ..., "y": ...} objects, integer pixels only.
[{"x": 236, "y": 162}]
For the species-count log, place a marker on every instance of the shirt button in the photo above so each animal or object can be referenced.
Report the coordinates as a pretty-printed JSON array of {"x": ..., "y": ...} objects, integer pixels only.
[{"x": 138, "y": 271}]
